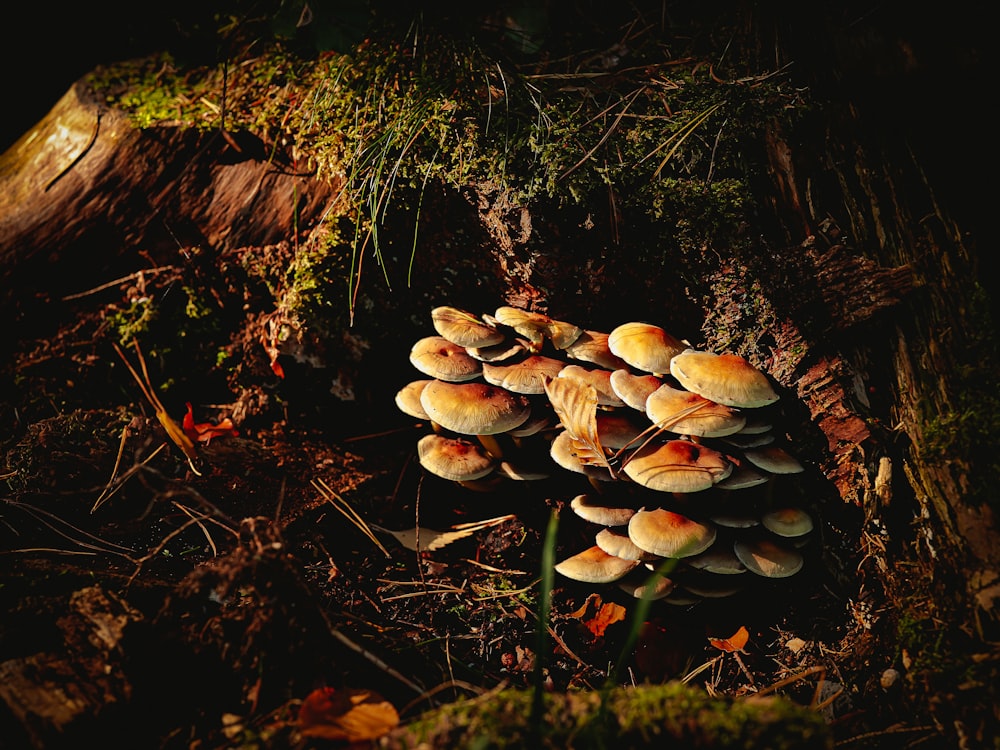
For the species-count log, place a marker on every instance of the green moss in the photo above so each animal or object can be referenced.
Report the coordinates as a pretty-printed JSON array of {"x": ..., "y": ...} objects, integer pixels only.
[
  {"x": 967, "y": 432},
  {"x": 923, "y": 642},
  {"x": 672, "y": 715},
  {"x": 669, "y": 142},
  {"x": 135, "y": 320}
]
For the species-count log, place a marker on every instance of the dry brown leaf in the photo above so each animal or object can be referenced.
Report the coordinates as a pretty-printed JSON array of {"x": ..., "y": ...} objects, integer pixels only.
[
  {"x": 575, "y": 403},
  {"x": 348, "y": 714},
  {"x": 430, "y": 539},
  {"x": 597, "y": 615},
  {"x": 735, "y": 642}
]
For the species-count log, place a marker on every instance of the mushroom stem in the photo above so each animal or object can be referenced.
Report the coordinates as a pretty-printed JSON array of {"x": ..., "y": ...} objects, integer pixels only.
[{"x": 491, "y": 444}]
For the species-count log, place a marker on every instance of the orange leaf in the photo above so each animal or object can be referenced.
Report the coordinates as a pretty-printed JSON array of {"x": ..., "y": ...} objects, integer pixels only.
[
  {"x": 347, "y": 715},
  {"x": 735, "y": 642},
  {"x": 597, "y": 615},
  {"x": 206, "y": 431}
]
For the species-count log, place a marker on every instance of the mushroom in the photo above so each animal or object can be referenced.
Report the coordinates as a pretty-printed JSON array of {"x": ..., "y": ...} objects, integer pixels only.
[
  {"x": 719, "y": 559},
  {"x": 563, "y": 452},
  {"x": 677, "y": 466},
  {"x": 464, "y": 329},
  {"x": 744, "y": 475},
  {"x": 734, "y": 519},
  {"x": 749, "y": 439},
  {"x": 634, "y": 389},
  {"x": 767, "y": 558},
  {"x": 599, "y": 379},
  {"x": 520, "y": 472},
  {"x": 408, "y": 399},
  {"x": 524, "y": 376},
  {"x": 499, "y": 352},
  {"x": 601, "y": 511},
  {"x": 537, "y": 327},
  {"x": 688, "y": 413},
  {"x": 756, "y": 424},
  {"x": 474, "y": 408},
  {"x": 621, "y": 545},
  {"x": 533, "y": 425},
  {"x": 618, "y": 430},
  {"x": 724, "y": 378},
  {"x": 787, "y": 522},
  {"x": 592, "y": 346},
  {"x": 594, "y": 565},
  {"x": 668, "y": 534},
  {"x": 709, "y": 586},
  {"x": 774, "y": 459},
  {"x": 647, "y": 587},
  {"x": 439, "y": 358},
  {"x": 644, "y": 346},
  {"x": 453, "y": 458}
]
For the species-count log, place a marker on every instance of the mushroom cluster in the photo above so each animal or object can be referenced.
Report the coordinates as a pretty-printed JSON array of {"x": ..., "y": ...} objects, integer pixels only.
[{"x": 663, "y": 434}]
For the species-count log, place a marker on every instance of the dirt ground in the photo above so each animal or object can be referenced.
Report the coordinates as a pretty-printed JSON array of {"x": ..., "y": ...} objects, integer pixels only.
[{"x": 199, "y": 602}]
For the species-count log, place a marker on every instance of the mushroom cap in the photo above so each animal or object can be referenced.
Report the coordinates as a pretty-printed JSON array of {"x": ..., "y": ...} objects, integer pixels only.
[
  {"x": 564, "y": 453},
  {"x": 594, "y": 565},
  {"x": 617, "y": 430},
  {"x": 711, "y": 586},
  {"x": 787, "y": 522},
  {"x": 453, "y": 458},
  {"x": 408, "y": 399},
  {"x": 688, "y": 413},
  {"x": 644, "y": 588},
  {"x": 668, "y": 534},
  {"x": 438, "y": 358},
  {"x": 474, "y": 408},
  {"x": 743, "y": 476},
  {"x": 756, "y": 424},
  {"x": 506, "y": 349},
  {"x": 677, "y": 466},
  {"x": 463, "y": 328},
  {"x": 724, "y": 378},
  {"x": 773, "y": 459},
  {"x": 520, "y": 472},
  {"x": 735, "y": 519},
  {"x": 533, "y": 425},
  {"x": 592, "y": 346},
  {"x": 634, "y": 389},
  {"x": 719, "y": 559},
  {"x": 524, "y": 376},
  {"x": 767, "y": 558},
  {"x": 599, "y": 379},
  {"x": 644, "y": 346},
  {"x": 621, "y": 545},
  {"x": 600, "y": 511},
  {"x": 537, "y": 327},
  {"x": 749, "y": 439}
]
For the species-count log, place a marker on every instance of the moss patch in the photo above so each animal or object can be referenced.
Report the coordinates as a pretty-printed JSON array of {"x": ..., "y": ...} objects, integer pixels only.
[{"x": 672, "y": 715}]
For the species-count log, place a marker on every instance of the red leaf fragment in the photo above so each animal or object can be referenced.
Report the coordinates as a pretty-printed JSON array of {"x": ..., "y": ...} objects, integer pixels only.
[{"x": 205, "y": 432}]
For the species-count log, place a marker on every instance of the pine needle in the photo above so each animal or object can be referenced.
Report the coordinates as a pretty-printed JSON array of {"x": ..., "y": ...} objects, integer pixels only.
[{"x": 348, "y": 512}]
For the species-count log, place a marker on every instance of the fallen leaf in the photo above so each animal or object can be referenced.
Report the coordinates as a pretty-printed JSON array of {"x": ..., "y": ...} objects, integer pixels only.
[
  {"x": 348, "y": 714},
  {"x": 205, "y": 432},
  {"x": 735, "y": 642},
  {"x": 430, "y": 539},
  {"x": 576, "y": 405},
  {"x": 596, "y": 615},
  {"x": 795, "y": 645}
]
